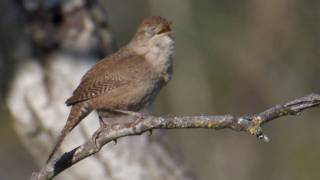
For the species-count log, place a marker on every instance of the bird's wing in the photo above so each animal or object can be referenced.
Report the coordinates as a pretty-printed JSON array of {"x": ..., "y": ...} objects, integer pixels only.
[
  {"x": 93, "y": 88},
  {"x": 104, "y": 77}
]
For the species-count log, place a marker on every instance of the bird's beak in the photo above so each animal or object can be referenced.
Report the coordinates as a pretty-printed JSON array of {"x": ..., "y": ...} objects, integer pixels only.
[{"x": 165, "y": 29}]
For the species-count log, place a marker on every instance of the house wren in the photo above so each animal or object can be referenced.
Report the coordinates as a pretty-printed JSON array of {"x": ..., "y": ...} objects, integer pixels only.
[{"x": 128, "y": 80}]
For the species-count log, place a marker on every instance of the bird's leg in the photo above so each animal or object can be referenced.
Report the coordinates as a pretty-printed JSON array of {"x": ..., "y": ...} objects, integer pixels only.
[
  {"x": 109, "y": 125},
  {"x": 103, "y": 126},
  {"x": 140, "y": 116}
]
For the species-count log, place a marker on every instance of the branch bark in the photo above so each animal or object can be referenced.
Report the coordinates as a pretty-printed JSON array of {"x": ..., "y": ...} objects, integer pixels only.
[{"x": 251, "y": 124}]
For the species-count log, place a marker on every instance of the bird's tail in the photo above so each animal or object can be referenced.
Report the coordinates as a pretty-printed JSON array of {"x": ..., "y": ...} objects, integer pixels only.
[{"x": 77, "y": 113}]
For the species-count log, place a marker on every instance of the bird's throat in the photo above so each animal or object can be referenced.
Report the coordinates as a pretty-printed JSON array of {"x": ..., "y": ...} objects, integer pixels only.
[{"x": 160, "y": 52}]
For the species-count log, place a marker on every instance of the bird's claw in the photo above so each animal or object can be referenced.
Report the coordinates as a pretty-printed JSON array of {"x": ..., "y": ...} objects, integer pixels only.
[
  {"x": 115, "y": 141},
  {"x": 95, "y": 137}
]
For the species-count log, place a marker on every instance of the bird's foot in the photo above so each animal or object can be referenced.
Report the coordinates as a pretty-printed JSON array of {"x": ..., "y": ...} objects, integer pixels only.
[
  {"x": 103, "y": 127},
  {"x": 95, "y": 136}
]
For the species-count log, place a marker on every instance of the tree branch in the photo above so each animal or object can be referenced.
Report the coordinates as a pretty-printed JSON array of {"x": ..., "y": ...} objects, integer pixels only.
[{"x": 251, "y": 124}]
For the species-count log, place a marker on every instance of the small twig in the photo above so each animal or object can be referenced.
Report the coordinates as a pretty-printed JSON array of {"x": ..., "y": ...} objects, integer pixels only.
[{"x": 251, "y": 124}]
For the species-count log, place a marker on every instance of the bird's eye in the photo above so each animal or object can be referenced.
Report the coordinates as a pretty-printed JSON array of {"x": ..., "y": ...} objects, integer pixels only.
[
  {"x": 150, "y": 31},
  {"x": 153, "y": 29}
]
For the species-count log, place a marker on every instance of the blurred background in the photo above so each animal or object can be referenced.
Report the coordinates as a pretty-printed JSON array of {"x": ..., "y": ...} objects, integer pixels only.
[{"x": 236, "y": 57}]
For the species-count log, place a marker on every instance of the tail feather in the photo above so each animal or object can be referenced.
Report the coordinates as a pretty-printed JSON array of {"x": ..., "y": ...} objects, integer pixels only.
[
  {"x": 63, "y": 134},
  {"x": 77, "y": 113}
]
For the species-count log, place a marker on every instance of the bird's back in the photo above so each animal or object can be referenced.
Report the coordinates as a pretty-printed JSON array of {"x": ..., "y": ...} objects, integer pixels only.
[{"x": 122, "y": 70}]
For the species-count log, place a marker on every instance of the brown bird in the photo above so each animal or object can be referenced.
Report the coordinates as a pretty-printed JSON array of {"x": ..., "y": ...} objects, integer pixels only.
[{"x": 126, "y": 82}]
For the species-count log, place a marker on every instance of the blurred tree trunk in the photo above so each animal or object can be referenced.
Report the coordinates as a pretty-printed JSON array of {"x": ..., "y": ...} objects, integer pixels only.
[{"x": 64, "y": 38}]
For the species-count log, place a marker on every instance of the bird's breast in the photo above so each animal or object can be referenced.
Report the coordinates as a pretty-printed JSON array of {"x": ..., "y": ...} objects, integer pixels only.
[{"x": 160, "y": 54}]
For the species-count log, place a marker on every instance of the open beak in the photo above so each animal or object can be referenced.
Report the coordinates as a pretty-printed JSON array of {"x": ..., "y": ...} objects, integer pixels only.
[{"x": 165, "y": 29}]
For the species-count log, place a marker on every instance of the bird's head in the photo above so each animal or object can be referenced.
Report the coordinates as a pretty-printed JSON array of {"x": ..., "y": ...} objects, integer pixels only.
[{"x": 154, "y": 32}]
